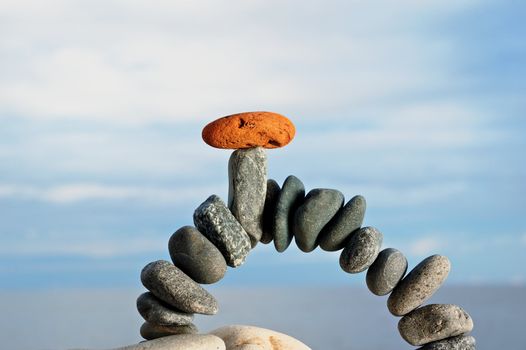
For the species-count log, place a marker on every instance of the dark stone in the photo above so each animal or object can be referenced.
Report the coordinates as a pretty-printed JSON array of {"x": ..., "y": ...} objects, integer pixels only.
[
  {"x": 196, "y": 256},
  {"x": 387, "y": 270},
  {"x": 461, "y": 342},
  {"x": 271, "y": 199},
  {"x": 153, "y": 310},
  {"x": 151, "y": 331},
  {"x": 290, "y": 198},
  {"x": 361, "y": 250}
]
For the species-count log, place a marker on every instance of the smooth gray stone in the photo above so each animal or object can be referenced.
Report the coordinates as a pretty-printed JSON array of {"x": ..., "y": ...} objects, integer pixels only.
[
  {"x": 387, "y": 270},
  {"x": 214, "y": 220},
  {"x": 153, "y": 310},
  {"x": 343, "y": 224},
  {"x": 151, "y": 331},
  {"x": 461, "y": 342},
  {"x": 175, "y": 288},
  {"x": 271, "y": 199},
  {"x": 434, "y": 322},
  {"x": 247, "y": 178},
  {"x": 419, "y": 285},
  {"x": 318, "y": 208},
  {"x": 179, "y": 342},
  {"x": 361, "y": 250},
  {"x": 290, "y": 198},
  {"x": 196, "y": 256}
]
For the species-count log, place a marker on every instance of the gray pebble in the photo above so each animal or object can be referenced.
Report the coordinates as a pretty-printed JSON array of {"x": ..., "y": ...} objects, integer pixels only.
[
  {"x": 434, "y": 322},
  {"x": 460, "y": 342},
  {"x": 361, "y": 250},
  {"x": 387, "y": 270},
  {"x": 247, "y": 177},
  {"x": 175, "y": 288},
  {"x": 290, "y": 198},
  {"x": 214, "y": 220},
  {"x": 419, "y": 285},
  {"x": 151, "y": 331},
  {"x": 196, "y": 256},
  {"x": 271, "y": 199},
  {"x": 344, "y": 223},
  {"x": 318, "y": 208},
  {"x": 155, "y": 311}
]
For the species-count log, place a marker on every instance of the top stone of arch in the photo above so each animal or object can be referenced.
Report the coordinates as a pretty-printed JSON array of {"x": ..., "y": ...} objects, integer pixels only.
[{"x": 248, "y": 130}]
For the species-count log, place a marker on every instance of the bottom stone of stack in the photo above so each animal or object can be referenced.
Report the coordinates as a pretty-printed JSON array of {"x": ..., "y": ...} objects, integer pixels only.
[
  {"x": 461, "y": 342},
  {"x": 151, "y": 331}
]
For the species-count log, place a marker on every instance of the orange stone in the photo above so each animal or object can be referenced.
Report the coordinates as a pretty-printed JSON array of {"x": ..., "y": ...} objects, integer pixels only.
[{"x": 250, "y": 129}]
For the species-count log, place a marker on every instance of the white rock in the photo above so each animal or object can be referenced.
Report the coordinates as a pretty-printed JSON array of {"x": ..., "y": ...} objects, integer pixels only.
[{"x": 180, "y": 341}]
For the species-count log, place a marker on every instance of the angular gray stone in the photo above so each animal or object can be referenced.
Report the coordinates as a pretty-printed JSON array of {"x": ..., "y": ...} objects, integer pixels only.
[
  {"x": 318, "y": 208},
  {"x": 196, "y": 256},
  {"x": 434, "y": 322},
  {"x": 419, "y": 285},
  {"x": 289, "y": 200},
  {"x": 217, "y": 223},
  {"x": 153, "y": 310},
  {"x": 460, "y": 342},
  {"x": 175, "y": 288},
  {"x": 387, "y": 270},
  {"x": 271, "y": 199},
  {"x": 180, "y": 341},
  {"x": 361, "y": 250},
  {"x": 247, "y": 178},
  {"x": 343, "y": 224},
  {"x": 151, "y": 331}
]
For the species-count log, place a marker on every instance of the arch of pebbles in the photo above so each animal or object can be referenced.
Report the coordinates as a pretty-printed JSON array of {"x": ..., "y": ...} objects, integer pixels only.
[{"x": 259, "y": 210}]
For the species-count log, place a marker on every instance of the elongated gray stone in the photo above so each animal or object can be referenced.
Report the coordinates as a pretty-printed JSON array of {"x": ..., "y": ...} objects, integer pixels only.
[
  {"x": 348, "y": 219},
  {"x": 180, "y": 341},
  {"x": 153, "y": 310},
  {"x": 247, "y": 177},
  {"x": 434, "y": 322},
  {"x": 387, "y": 270},
  {"x": 175, "y": 288},
  {"x": 290, "y": 198},
  {"x": 214, "y": 220},
  {"x": 361, "y": 250},
  {"x": 271, "y": 199},
  {"x": 151, "y": 331},
  {"x": 460, "y": 342},
  {"x": 318, "y": 208},
  {"x": 419, "y": 285},
  {"x": 196, "y": 256}
]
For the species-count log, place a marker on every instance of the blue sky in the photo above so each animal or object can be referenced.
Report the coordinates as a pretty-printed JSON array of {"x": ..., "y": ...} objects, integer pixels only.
[{"x": 418, "y": 106}]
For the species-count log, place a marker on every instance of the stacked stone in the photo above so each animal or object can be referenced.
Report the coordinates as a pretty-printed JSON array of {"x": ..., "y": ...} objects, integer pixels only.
[{"x": 259, "y": 210}]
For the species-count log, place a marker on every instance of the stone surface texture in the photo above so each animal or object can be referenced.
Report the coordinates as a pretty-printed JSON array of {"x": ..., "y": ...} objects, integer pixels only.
[
  {"x": 387, "y": 270},
  {"x": 361, "y": 250},
  {"x": 290, "y": 198},
  {"x": 151, "y": 331},
  {"x": 214, "y": 220},
  {"x": 271, "y": 199},
  {"x": 460, "y": 342},
  {"x": 179, "y": 342},
  {"x": 239, "y": 337},
  {"x": 155, "y": 311}
]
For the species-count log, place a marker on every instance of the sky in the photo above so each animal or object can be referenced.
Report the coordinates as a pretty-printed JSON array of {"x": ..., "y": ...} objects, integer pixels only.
[{"x": 417, "y": 106}]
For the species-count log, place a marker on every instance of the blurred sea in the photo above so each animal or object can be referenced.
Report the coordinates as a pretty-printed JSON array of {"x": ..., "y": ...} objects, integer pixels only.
[{"x": 323, "y": 318}]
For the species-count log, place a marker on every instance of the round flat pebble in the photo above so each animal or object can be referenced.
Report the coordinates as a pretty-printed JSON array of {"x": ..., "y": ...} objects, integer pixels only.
[
  {"x": 217, "y": 223},
  {"x": 387, "y": 270},
  {"x": 461, "y": 342},
  {"x": 247, "y": 178},
  {"x": 345, "y": 222},
  {"x": 419, "y": 285},
  {"x": 271, "y": 199},
  {"x": 434, "y": 322},
  {"x": 290, "y": 198},
  {"x": 238, "y": 337},
  {"x": 249, "y": 129},
  {"x": 196, "y": 256},
  {"x": 318, "y": 208},
  {"x": 155, "y": 311},
  {"x": 180, "y": 341},
  {"x": 175, "y": 288},
  {"x": 361, "y": 250},
  {"x": 151, "y": 331}
]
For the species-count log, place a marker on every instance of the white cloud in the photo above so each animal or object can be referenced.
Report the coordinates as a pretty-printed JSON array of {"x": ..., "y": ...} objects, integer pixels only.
[{"x": 426, "y": 246}]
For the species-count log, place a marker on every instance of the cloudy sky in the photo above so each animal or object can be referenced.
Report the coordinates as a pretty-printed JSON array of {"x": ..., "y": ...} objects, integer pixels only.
[{"x": 418, "y": 106}]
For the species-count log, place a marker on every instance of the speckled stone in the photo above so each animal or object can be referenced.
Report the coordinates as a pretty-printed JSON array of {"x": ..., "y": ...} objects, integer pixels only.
[
  {"x": 238, "y": 337},
  {"x": 361, "y": 250},
  {"x": 155, "y": 311},
  {"x": 196, "y": 256},
  {"x": 175, "y": 288},
  {"x": 460, "y": 342},
  {"x": 434, "y": 322},
  {"x": 271, "y": 199},
  {"x": 348, "y": 219},
  {"x": 180, "y": 341},
  {"x": 151, "y": 331},
  {"x": 318, "y": 208},
  {"x": 214, "y": 220},
  {"x": 419, "y": 285},
  {"x": 387, "y": 270},
  {"x": 290, "y": 198},
  {"x": 247, "y": 178}
]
